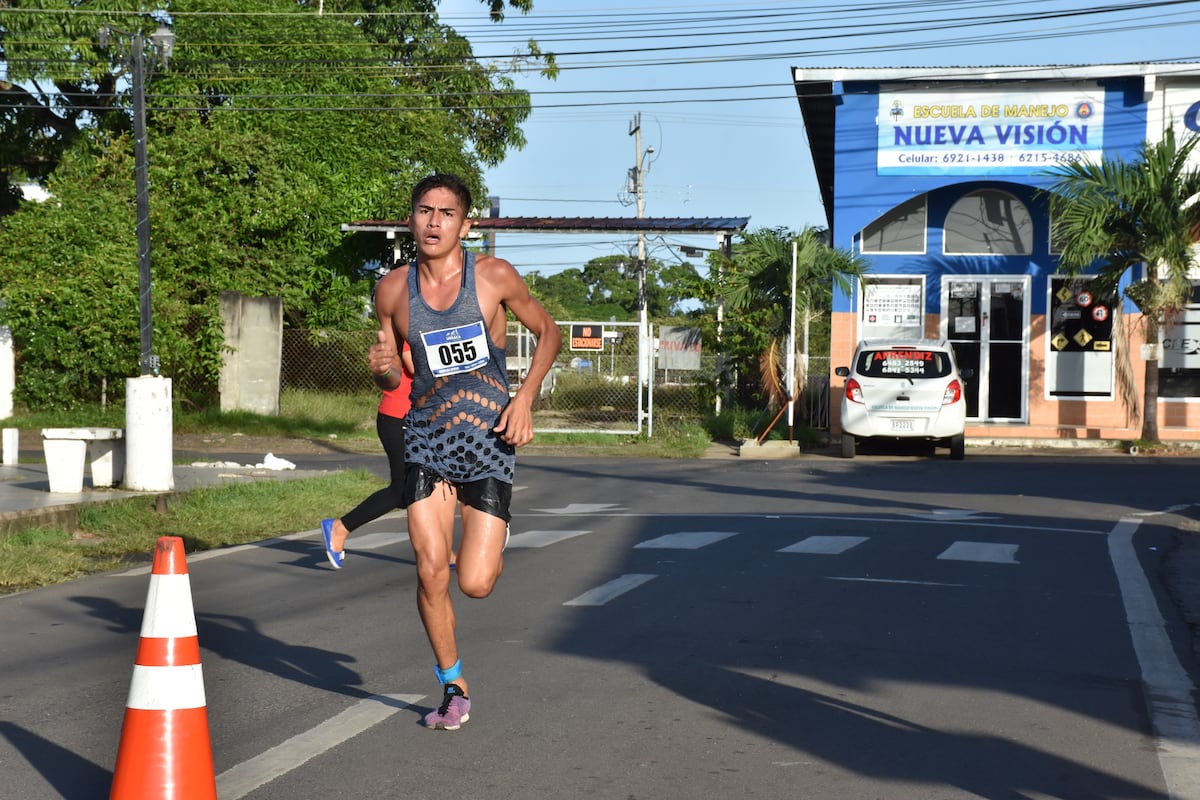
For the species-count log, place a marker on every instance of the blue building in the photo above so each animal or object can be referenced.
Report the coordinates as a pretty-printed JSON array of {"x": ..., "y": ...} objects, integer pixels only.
[{"x": 934, "y": 174}]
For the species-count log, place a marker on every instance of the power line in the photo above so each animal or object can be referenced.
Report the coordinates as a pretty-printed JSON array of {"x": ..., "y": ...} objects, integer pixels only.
[
  {"x": 326, "y": 102},
  {"x": 649, "y": 26}
]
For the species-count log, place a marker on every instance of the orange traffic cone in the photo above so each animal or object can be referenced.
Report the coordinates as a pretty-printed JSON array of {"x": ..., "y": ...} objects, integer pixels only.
[{"x": 165, "y": 753}]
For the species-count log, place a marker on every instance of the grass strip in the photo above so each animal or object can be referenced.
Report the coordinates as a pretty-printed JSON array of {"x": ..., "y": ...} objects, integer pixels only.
[{"x": 116, "y": 534}]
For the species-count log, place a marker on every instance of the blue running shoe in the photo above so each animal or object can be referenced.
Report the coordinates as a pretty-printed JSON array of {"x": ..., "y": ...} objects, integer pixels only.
[{"x": 336, "y": 557}]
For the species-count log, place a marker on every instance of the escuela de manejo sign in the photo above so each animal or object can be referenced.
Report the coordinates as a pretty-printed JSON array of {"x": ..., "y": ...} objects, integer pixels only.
[{"x": 981, "y": 131}]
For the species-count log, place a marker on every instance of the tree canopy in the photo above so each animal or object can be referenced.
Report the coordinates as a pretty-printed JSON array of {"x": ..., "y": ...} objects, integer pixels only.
[
  {"x": 756, "y": 285},
  {"x": 607, "y": 288},
  {"x": 270, "y": 127},
  {"x": 1114, "y": 217}
]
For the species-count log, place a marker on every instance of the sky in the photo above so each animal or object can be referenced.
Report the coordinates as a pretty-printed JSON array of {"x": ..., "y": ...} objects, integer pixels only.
[{"x": 711, "y": 82}]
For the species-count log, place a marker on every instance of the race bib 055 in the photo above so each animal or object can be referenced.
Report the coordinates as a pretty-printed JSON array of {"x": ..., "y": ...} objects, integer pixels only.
[{"x": 454, "y": 350}]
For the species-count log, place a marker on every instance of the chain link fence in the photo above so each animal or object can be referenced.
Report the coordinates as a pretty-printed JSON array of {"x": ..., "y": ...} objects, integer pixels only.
[
  {"x": 592, "y": 388},
  {"x": 588, "y": 390},
  {"x": 334, "y": 362}
]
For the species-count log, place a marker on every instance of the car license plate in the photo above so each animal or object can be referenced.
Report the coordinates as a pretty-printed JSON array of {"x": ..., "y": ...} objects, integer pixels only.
[{"x": 902, "y": 425}]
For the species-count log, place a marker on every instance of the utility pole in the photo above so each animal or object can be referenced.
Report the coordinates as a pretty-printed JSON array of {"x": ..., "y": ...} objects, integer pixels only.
[
  {"x": 148, "y": 404},
  {"x": 637, "y": 186},
  {"x": 726, "y": 247},
  {"x": 163, "y": 42},
  {"x": 148, "y": 361}
]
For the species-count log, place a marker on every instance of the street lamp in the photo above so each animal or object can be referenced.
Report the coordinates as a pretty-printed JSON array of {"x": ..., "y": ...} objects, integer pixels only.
[{"x": 163, "y": 42}]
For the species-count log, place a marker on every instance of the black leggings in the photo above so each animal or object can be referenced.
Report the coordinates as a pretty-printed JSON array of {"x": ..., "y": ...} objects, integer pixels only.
[{"x": 391, "y": 434}]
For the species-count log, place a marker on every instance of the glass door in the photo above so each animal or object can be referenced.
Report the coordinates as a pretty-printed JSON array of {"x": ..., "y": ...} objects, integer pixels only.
[{"x": 986, "y": 320}]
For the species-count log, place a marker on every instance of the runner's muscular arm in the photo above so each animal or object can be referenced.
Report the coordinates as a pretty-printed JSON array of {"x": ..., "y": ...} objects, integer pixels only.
[{"x": 515, "y": 425}]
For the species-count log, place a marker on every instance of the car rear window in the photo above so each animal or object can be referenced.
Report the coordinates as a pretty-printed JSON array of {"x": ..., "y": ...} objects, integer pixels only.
[{"x": 903, "y": 362}]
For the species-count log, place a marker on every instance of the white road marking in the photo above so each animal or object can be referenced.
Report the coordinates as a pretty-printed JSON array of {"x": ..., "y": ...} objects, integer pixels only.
[
  {"x": 613, "y": 589},
  {"x": 684, "y": 540},
  {"x": 824, "y": 545},
  {"x": 897, "y": 580},
  {"x": 367, "y": 541},
  {"x": 1167, "y": 510},
  {"x": 973, "y": 522},
  {"x": 582, "y": 508},
  {"x": 948, "y": 514},
  {"x": 532, "y": 539},
  {"x": 990, "y": 552},
  {"x": 1166, "y": 685},
  {"x": 239, "y": 781},
  {"x": 373, "y": 541}
]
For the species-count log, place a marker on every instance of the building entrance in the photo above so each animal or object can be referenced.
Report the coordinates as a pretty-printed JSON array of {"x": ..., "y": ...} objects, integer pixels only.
[{"x": 986, "y": 320}]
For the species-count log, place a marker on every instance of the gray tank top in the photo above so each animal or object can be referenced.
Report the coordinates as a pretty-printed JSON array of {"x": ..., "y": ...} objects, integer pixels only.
[{"x": 460, "y": 386}]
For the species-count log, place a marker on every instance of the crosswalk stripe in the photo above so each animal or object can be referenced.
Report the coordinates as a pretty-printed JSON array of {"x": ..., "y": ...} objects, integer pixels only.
[
  {"x": 608, "y": 591},
  {"x": 531, "y": 539},
  {"x": 685, "y": 540},
  {"x": 824, "y": 545},
  {"x": 374, "y": 541},
  {"x": 990, "y": 552},
  {"x": 242, "y": 779}
]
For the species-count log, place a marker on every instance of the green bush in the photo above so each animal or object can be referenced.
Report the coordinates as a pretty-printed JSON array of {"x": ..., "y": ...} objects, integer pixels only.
[
  {"x": 682, "y": 401},
  {"x": 738, "y": 424}
]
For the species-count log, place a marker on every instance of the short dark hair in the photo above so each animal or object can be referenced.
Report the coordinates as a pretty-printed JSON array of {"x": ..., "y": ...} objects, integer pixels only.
[{"x": 444, "y": 181}]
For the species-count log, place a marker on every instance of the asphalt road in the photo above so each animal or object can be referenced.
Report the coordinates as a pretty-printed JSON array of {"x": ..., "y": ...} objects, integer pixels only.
[{"x": 887, "y": 627}]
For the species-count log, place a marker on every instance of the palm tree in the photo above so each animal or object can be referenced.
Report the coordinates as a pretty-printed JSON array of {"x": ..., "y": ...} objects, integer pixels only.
[
  {"x": 758, "y": 289},
  {"x": 1118, "y": 215}
]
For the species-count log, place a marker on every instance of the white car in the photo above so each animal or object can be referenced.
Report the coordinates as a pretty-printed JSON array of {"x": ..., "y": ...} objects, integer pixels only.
[{"x": 903, "y": 390}]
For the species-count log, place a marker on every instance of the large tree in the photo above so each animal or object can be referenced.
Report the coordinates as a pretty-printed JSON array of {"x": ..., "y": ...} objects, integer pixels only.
[
  {"x": 268, "y": 129},
  {"x": 247, "y": 56},
  {"x": 1119, "y": 218}
]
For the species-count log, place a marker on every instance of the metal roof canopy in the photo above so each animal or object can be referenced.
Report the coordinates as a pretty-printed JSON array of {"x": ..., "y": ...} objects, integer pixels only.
[{"x": 618, "y": 225}]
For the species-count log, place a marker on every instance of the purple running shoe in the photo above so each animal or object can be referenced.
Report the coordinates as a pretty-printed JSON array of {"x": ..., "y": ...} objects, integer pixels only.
[{"x": 452, "y": 713}]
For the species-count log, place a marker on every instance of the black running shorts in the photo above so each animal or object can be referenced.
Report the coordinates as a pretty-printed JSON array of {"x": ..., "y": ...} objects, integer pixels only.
[{"x": 489, "y": 495}]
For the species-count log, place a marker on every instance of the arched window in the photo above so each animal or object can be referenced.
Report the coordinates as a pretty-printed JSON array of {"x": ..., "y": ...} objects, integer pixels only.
[
  {"x": 988, "y": 222},
  {"x": 901, "y": 230}
]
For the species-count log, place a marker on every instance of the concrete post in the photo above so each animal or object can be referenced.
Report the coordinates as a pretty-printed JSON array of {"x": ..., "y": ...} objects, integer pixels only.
[
  {"x": 11, "y": 446},
  {"x": 149, "y": 435},
  {"x": 8, "y": 372}
]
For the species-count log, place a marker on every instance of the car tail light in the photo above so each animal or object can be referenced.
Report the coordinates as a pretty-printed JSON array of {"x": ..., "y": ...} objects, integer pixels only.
[
  {"x": 853, "y": 391},
  {"x": 953, "y": 393}
]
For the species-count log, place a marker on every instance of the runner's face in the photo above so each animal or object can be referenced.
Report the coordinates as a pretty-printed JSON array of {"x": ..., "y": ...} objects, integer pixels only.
[{"x": 438, "y": 223}]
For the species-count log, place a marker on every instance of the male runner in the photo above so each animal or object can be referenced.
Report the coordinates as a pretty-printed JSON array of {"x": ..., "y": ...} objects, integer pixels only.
[{"x": 451, "y": 306}]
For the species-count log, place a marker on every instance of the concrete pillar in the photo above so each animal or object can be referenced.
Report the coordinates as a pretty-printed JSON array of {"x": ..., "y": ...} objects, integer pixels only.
[
  {"x": 149, "y": 435},
  {"x": 253, "y": 353},
  {"x": 11, "y": 446},
  {"x": 8, "y": 373}
]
